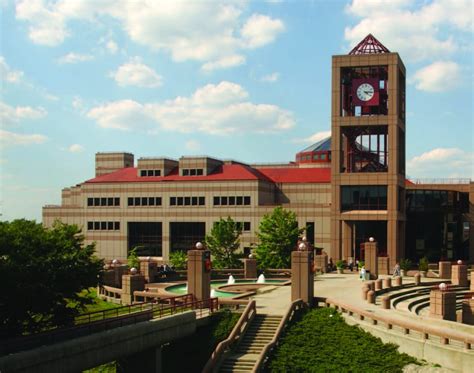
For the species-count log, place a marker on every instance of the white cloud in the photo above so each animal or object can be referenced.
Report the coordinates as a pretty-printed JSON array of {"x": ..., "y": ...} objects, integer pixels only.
[
  {"x": 396, "y": 22},
  {"x": 10, "y": 138},
  {"x": 11, "y": 115},
  {"x": 76, "y": 148},
  {"x": 205, "y": 31},
  {"x": 8, "y": 74},
  {"x": 318, "y": 136},
  {"x": 192, "y": 145},
  {"x": 111, "y": 46},
  {"x": 439, "y": 76},
  {"x": 212, "y": 109},
  {"x": 224, "y": 63},
  {"x": 270, "y": 78},
  {"x": 123, "y": 115},
  {"x": 77, "y": 103},
  {"x": 135, "y": 73},
  {"x": 442, "y": 162},
  {"x": 74, "y": 58},
  {"x": 260, "y": 30}
]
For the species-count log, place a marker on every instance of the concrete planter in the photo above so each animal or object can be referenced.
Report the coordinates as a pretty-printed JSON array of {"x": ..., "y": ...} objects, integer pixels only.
[
  {"x": 423, "y": 273},
  {"x": 402, "y": 273},
  {"x": 340, "y": 271}
]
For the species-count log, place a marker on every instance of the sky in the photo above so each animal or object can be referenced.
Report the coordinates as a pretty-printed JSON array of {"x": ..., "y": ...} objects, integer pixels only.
[{"x": 234, "y": 80}]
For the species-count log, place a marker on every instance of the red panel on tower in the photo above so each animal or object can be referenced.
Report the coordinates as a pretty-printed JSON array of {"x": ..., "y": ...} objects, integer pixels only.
[{"x": 365, "y": 92}]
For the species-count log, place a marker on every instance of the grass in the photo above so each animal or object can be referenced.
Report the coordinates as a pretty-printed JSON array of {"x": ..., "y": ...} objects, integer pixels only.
[
  {"x": 321, "y": 341},
  {"x": 99, "y": 304}
]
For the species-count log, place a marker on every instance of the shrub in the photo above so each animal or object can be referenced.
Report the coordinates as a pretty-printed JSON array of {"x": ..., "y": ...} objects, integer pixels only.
[
  {"x": 323, "y": 342},
  {"x": 132, "y": 260},
  {"x": 340, "y": 264},
  {"x": 423, "y": 264},
  {"x": 179, "y": 259},
  {"x": 405, "y": 264},
  {"x": 361, "y": 264}
]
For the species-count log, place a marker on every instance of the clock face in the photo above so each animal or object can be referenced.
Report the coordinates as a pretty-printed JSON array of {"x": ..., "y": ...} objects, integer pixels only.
[{"x": 365, "y": 92}]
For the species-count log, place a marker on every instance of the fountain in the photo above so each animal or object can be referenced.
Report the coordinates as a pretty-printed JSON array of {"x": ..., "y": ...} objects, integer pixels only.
[
  {"x": 213, "y": 293},
  {"x": 261, "y": 279},
  {"x": 231, "y": 280}
]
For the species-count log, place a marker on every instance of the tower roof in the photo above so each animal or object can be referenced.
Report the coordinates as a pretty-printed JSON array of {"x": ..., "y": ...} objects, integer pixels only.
[
  {"x": 369, "y": 45},
  {"x": 322, "y": 145}
]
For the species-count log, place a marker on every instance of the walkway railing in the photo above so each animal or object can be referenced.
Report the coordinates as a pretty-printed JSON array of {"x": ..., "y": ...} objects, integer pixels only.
[
  {"x": 239, "y": 329},
  {"x": 99, "y": 321},
  {"x": 427, "y": 332},
  {"x": 289, "y": 315}
]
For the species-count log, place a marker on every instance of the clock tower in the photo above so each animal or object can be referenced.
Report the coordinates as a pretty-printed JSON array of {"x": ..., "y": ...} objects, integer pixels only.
[{"x": 368, "y": 152}]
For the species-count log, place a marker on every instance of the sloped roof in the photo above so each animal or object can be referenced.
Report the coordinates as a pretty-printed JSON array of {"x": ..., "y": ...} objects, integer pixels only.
[
  {"x": 298, "y": 175},
  {"x": 322, "y": 145},
  {"x": 369, "y": 45}
]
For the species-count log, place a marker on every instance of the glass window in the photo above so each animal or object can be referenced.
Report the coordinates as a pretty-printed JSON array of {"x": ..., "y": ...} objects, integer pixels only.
[
  {"x": 239, "y": 201},
  {"x": 110, "y": 225},
  {"x": 158, "y": 201},
  {"x": 180, "y": 201},
  {"x": 150, "y": 173},
  {"x": 90, "y": 201},
  {"x": 144, "y": 201},
  {"x": 316, "y": 157},
  {"x": 364, "y": 197},
  {"x": 194, "y": 201},
  {"x": 173, "y": 201},
  {"x": 186, "y": 172},
  {"x": 192, "y": 172},
  {"x": 130, "y": 201},
  {"x": 202, "y": 201},
  {"x": 323, "y": 156},
  {"x": 199, "y": 172},
  {"x": 232, "y": 201},
  {"x": 224, "y": 201},
  {"x": 103, "y": 225},
  {"x": 90, "y": 225},
  {"x": 157, "y": 172},
  {"x": 246, "y": 226},
  {"x": 187, "y": 201},
  {"x": 110, "y": 201},
  {"x": 247, "y": 200},
  {"x": 137, "y": 201},
  {"x": 103, "y": 201},
  {"x": 116, "y": 201},
  {"x": 97, "y": 225},
  {"x": 151, "y": 201},
  {"x": 142, "y": 173},
  {"x": 117, "y": 225},
  {"x": 217, "y": 201},
  {"x": 96, "y": 201}
]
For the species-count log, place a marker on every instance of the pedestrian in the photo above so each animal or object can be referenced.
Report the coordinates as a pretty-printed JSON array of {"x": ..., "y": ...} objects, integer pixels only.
[
  {"x": 351, "y": 264},
  {"x": 362, "y": 273},
  {"x": 396, "y": 270}
]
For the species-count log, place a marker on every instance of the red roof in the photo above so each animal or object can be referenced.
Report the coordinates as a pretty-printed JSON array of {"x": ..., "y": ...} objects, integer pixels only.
[
  {"x": 298, "y": 175},
  {"x": 223, "y": 173}
]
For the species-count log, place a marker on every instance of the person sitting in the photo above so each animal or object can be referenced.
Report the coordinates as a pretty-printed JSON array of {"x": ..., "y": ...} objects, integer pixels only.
[
  {"x": 351, "y": 264},
  {"x": 330, "y": 265},
  {"x": 396, "y": 270}
]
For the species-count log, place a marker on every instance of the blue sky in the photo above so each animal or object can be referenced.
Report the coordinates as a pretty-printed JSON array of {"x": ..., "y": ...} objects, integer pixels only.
[{"x": 242, "y": 80}]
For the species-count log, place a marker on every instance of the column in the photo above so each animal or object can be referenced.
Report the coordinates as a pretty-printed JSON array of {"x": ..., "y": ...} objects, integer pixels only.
[
  {"x": 131, "y": 283},
  {"x": 199, "y": 272},
  {"x": 302, "y": 277},
  {"x": 250, "y": 268},
  {"x": 371, "y": 263}
]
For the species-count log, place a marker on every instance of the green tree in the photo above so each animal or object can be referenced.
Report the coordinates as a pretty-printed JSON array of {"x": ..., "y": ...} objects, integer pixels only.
[
  {"x": 223, "y": 242},
  {"x": 179, "y": 259},
  {"x": 42, "y": 272},
  {"x": 132, "y": 260},
  {"x": 278, "y": 235}
]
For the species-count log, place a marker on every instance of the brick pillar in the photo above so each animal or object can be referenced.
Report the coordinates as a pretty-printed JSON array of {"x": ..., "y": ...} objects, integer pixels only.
[
  {"x": 302, "y": 277},
  {"x": 199, "y": 277},
  {"x": 250, "y": 268},
  {"x": 118, "y": 273},
  {"x": 371, "y": 262},
  {"x": 459, "y": 275},
  {"x": 443, "y": 305},
  {"x": 444, "y": 269},
  {"x": 383, "y": 263},
  {"x": 321, "y": 261},
  {"x": 148, "y": 269},
  {"x": 468, "y": 311},
  {"x": 131, "y": 283}
]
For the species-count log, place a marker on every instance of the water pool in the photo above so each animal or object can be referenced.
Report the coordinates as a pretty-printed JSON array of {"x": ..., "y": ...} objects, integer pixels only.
[{"x": 181, "y": 288}]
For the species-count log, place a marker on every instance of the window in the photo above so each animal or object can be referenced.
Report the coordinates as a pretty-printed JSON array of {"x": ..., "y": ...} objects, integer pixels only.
[
  {"x": 151, "y": 201},
  {"x": 199, "y": 172},
  {"x": 173, "y": 201},
  {"x": 110, "y": 225},
  {"x": 246, "y": 226},
  {"x": 144, "y": 201},
  {"x": 142, "y": 172},
  {"x": 130, "y": 201},
  {"x": 157, "y": 172},
  {"x": 90, "y": 202},
  {"x": 363, "y": 197},
  {"x": 247, "y": 200},
  {"x": 180, "y": 201},
  {"x": 323, "y": 156},
  {"x": 193, "y": 172},
  {"x": 217, "y": 201},
  {"x": 202, "y": 201},
  {"x": 137, "y": 201},
  {"x": 150, "y": 173},
  {"x": 185, "y": 172},
  {"x": 97, "y": 225},
  {"x": 187, "y": 201},
  {"x": 224, "y": 201},
  {"x": 117, "y": 225},
  {"x": 90, "y": 225},
  {"x": 316, "y": 157},
  {"x": 96, "y": 201},
  {"x": 116, "y": 201},
  {"x": 103, "y": 225},
  {"x": 194, "y": 201},
  {"x": 232, "y": 201},
  {"x": 158, "y": 201},
  {"x": 239, "y": 201}
]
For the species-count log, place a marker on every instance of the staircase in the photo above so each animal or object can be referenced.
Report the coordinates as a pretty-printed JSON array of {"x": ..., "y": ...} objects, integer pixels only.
[{"x": 244, "y": 357}]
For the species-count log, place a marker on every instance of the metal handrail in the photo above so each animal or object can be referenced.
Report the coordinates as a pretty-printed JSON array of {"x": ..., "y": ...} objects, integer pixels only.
[
  {"x": 444, "y": 334},
  {"x": 294, "y": 306},
  {"x": 239, "y": 328}
]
